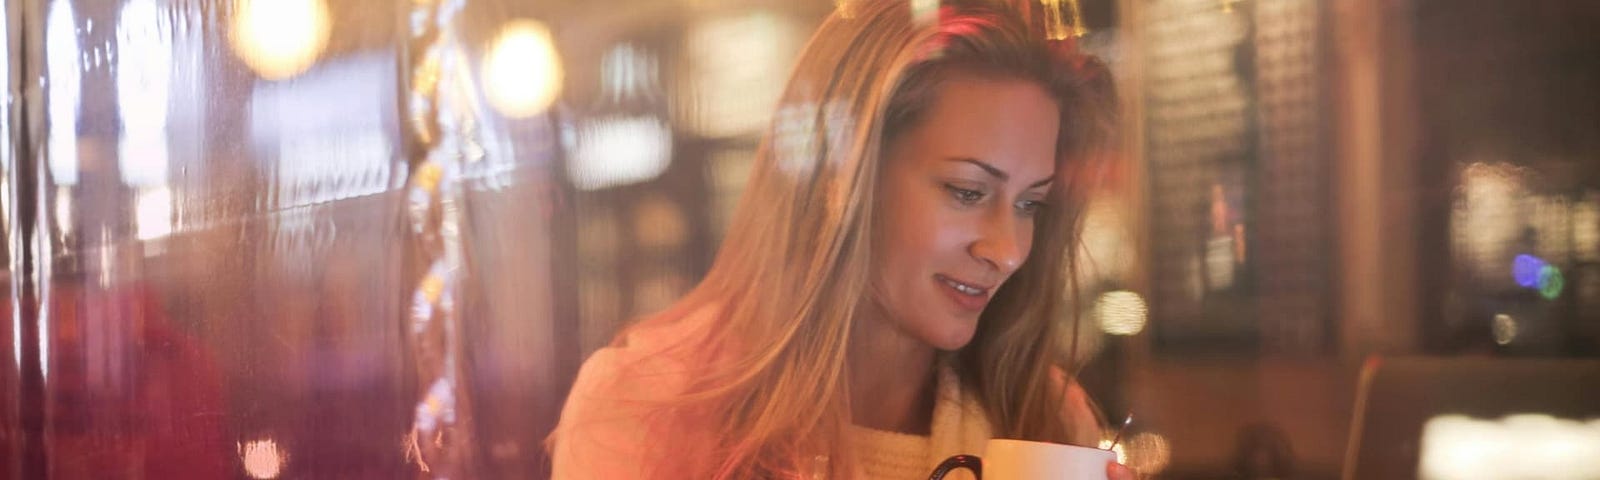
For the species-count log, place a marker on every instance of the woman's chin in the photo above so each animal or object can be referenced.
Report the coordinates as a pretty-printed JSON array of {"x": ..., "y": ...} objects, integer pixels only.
[{"x": 950, "y": 338}]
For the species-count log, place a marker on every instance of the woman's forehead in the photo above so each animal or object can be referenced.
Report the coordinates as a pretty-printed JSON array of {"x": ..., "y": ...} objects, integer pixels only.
[{"x": 1006, "y": 123}]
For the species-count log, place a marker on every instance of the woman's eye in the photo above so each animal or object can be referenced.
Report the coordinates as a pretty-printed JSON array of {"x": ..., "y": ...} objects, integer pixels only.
[
  {"x": 1031, "y": 207},
  {"x": 963, "y": 195}
]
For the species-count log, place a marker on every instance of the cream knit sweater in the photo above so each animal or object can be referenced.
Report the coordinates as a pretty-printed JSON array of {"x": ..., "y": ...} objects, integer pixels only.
[
  {"x": 602, "y": 432},
  {"x": 959, "y": 427}
]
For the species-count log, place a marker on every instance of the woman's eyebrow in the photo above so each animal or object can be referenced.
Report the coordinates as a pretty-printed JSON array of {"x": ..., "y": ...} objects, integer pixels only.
[
  {"x": 991, "y": 169},
  {"x": 996, "y": 172}
]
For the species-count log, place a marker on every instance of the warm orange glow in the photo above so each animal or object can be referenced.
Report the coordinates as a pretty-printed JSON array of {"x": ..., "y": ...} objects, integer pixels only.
[
  {"x": 1148, "y": 453},
  {"x": 262, "y": 459},
  {"x": 522, "y": 73},
  {"x": 279, "y": 39},
  {"x": 1122, "y": 454}
]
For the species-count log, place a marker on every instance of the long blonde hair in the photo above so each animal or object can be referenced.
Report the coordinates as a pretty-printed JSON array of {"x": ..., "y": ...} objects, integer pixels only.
[{"x": 770, "y": 377}]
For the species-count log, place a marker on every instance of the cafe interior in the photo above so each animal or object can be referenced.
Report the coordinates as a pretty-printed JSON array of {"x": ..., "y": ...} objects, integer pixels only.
[{"x": 376, "y": 239}]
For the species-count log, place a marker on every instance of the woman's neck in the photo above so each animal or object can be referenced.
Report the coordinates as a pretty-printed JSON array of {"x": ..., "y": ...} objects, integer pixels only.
[{"x": 892, "y": 378}]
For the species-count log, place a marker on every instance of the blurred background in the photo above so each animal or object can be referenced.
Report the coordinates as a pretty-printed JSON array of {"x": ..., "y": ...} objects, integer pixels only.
[{"x": 375, "y": 239}]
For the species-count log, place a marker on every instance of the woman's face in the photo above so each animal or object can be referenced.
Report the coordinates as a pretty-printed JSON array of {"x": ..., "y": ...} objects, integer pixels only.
[{"x": 959, "y": 195}]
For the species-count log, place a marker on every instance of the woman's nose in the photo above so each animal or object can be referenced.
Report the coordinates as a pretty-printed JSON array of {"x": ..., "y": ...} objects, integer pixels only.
[{"x": 1000, "y": 245}]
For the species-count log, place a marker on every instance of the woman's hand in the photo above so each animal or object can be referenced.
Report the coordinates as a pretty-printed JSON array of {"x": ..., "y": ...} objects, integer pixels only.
[{"x": 1117, "y": 471}]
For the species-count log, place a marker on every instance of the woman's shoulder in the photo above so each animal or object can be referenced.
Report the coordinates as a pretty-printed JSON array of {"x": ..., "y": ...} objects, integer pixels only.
[
  {"x": 647, "y": 361},
  {"x": 611, "y": 414}
]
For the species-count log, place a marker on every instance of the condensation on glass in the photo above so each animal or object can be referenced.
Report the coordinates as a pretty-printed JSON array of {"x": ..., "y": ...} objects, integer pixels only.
[{"x": 253, "y": 240}]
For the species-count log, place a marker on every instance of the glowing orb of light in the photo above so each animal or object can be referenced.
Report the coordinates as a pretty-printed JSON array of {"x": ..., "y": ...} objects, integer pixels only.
[
  {"x": 1148, "y": 453},
  {"x": 1121, "y": 312},
  {"x": 1525, "y": 268},
  {"x": 522, "y": 72},
  {"x": 1505, "y": 329},
  {"x": 262, "y": 459},
  {"x": 1551, "y": 282},
  {"x": 279, "y": 39}
]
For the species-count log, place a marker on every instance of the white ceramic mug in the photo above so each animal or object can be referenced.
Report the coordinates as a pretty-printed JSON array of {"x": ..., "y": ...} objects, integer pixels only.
[{"x": 1024, "y": 460}]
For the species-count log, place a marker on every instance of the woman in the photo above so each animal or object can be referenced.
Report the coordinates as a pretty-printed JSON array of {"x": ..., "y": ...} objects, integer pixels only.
[{"x": 887, "y": 294}]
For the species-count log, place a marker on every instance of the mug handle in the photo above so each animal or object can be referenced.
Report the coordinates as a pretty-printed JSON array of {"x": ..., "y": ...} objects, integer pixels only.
[{"x": 968, "y": 462}]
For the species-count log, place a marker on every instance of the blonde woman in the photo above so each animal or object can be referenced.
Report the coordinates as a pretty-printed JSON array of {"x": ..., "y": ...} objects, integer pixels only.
[{"x": 888, "y": 292}]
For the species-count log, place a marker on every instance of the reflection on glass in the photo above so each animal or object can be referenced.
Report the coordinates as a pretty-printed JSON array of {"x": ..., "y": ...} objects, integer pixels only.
[
  {"x": 319, "y": 142},
  {"x": 144, "y": 70},
  {"x": 61, "y": 67},
  {"x": 63, "y": 210},
  {"x": 797, "y": 142},
  {"x": 191, "y": 324},
  {"x": 153, "y": 213}
]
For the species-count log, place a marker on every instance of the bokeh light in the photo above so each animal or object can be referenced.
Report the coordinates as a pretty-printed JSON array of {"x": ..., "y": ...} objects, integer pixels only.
[
  {"x": 262, "y": 459},
  {"x": 522, "y": 72},
  {"x": 1219, "y": 262},
  {"x": 1586, "y": 229},
  {"x": 1488, "y": 216},
  {"x": 1148, "y": 453},
  {"x": 279, "y": 39},
  {"x": 629, "y": 74},
  {"x": 1505, "y": 329},
  {"x": 800, "y": 132},
  {"x": 737, "y": 66},
  {"x": 1106, "y": 246},
  {"x": 1551, "y": 282},
  {"x": 616, "y": 151},
  {"x": 1121, "y": 312},
  {"x": 1525, "y": 269}
]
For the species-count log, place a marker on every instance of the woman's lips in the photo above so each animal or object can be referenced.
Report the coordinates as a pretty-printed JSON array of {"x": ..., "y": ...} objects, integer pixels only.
[{"x": 968, "y": 296}]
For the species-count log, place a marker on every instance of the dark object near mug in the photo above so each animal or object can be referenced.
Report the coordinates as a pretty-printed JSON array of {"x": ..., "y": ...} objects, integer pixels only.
[{"x": 968, "y": 462}]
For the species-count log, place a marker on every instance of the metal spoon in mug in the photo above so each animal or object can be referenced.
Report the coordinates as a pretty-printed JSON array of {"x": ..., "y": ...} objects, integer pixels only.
[{"x": 1124, "y": 428}]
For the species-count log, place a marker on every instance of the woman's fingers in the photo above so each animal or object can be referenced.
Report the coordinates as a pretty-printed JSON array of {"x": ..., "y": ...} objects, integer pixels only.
[{"x": 1117, "y": 471}]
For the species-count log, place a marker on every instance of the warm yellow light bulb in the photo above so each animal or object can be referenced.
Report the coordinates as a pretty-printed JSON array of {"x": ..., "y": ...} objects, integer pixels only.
[
  {"x": 279, "y": 39},
  {"x": 522, "y": 73}
]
